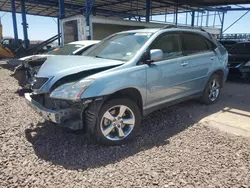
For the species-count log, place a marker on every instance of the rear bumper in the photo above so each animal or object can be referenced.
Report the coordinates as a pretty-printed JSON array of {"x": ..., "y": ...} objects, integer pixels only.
[{"x": 56, "y": 116}]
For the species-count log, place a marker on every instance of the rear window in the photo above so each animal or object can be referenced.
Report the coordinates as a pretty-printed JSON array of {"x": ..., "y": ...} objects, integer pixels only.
[
  {"x": 241, "y": 48},
  {"x": 193, "y": 43}
]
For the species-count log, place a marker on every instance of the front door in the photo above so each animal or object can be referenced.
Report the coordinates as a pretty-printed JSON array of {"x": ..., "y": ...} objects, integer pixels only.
[{"x": 166, "y": 78}]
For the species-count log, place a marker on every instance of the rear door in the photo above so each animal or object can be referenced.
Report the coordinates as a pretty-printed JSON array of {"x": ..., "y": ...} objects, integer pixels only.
[{"x": 199, "y": 58}]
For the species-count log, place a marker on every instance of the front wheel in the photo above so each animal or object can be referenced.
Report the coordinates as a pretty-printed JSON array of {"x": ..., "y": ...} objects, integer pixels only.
[
  {"x": 119, "y": 121},
  {"x": 212, "y": 90}
]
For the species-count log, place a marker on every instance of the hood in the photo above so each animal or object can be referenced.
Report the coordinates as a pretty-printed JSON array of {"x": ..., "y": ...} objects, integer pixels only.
[
  {"x": 16, "y": 62},
  {"x": 58, "y": 67},
  {"x": 34, "y": 57},
  {"x": 61, "y": 66}
]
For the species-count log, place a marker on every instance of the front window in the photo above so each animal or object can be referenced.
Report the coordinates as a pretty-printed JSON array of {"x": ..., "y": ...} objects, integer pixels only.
[
  {"x": 121, "y": 47},
  {"x": 170, "y": 46},
  {"x": 67, "y": 49}
]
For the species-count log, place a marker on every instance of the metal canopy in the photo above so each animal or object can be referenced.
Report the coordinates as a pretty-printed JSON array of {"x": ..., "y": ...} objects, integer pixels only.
[
  {"x": 213, "y": 2},
  {"x": 119, "y": 8}
]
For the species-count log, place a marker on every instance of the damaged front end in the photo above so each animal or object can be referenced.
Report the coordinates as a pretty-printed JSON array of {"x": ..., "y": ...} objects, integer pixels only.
[
  {"x": 63, "y": 103},
  {"x": 63, "y": 112},
  {"x": 26, "y": 71},
  {"x": 58, "y": 87}
]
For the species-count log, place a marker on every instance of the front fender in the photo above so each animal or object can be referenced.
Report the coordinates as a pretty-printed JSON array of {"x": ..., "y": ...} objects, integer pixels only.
[{"x": 111, "y": 82}]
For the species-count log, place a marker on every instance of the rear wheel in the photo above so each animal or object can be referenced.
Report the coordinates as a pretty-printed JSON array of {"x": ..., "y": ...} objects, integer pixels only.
[
  {"x": 212, "y": 90},
  {"x": 119, "y": 121}
]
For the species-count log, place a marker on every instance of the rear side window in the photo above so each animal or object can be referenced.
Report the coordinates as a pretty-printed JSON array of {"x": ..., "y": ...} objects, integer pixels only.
[
  {"x": 193, "y": 44},
  {"x": 169, "y": 44}
]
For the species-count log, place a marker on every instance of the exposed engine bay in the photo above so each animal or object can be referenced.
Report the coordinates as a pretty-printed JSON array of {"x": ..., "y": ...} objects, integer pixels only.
[{"x": 25, "y": 72}]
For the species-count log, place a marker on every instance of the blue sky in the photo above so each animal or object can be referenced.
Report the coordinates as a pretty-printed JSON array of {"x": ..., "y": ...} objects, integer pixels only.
[{"x": 42, "y": 28}]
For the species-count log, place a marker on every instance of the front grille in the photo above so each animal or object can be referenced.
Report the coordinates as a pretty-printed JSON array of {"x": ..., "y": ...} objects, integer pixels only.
[{"x": 39, "y": 82}]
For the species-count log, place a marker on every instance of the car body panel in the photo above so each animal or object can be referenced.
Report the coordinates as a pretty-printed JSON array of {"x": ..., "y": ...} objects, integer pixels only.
[
  {"x": 198, "y": 68},
  {"x": 165, "y": 81},
  {"x": 116, "y": 79}
]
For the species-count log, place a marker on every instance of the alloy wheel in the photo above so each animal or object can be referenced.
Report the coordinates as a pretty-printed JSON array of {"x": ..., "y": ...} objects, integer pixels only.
[
  {"x": 117, "y": 122},
  {"x": 214, "y": 90}
]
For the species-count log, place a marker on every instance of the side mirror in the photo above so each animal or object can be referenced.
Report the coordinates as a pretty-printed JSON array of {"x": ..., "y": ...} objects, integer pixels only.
[{"x": 156, "y": 55}]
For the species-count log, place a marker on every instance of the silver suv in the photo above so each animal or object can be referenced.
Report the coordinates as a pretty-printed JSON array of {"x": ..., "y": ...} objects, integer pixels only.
[{"x": 126, "y": 76}]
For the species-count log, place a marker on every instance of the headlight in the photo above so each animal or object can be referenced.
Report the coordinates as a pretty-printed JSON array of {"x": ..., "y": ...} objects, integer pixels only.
[
  {"x": 71, "y": 91},
  {"x": 247, "y": 64}
]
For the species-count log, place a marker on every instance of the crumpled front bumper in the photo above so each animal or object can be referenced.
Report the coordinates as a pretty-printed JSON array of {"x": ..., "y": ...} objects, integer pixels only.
[{"x": 56, "y": 116}]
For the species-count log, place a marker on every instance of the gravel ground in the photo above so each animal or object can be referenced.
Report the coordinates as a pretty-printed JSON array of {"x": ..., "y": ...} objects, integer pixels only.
[{"x": 172, "y": 151}]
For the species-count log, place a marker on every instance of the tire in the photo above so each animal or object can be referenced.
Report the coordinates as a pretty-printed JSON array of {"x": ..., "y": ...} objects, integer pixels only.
[
  {"x": 206, "y": 98},
  {"x": 121, "y": 133}
]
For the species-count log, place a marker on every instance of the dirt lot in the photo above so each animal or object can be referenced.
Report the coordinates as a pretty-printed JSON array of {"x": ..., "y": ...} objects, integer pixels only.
[{"x": 181, "y": 146}]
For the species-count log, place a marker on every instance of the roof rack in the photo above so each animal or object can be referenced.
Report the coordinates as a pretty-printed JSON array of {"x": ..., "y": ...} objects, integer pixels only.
[
  {"x": 169, "y": 26},
  {"x": 188, "y": 27}
]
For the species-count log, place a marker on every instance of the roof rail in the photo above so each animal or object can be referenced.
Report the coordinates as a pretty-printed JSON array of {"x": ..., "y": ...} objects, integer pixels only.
[
  {"x": 169, "y": 26},
  {"x": 188, "y": 27}
]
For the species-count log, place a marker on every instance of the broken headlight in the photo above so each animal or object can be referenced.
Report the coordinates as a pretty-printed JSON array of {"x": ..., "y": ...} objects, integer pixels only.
[{"x": 71, "y": 91}]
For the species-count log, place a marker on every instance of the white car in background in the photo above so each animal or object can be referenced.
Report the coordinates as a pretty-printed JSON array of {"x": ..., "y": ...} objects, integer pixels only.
[{"x": 27, "y": 67}]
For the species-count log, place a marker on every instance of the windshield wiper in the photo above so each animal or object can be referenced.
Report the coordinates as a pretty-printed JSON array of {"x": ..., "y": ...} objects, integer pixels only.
[
  {"x": 97, "y": 56},
  {"x": 109, "y": 58}
]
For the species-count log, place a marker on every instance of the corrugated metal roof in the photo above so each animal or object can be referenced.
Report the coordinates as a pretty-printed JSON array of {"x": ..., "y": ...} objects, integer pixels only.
[{"x": 120, "y": 8}]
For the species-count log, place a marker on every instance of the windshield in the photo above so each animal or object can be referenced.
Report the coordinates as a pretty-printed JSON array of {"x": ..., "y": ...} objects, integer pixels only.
[
  {"x": 67, "y": 49},
  {"x": 241, "y": 48},
  {"x": 121, "y": 46}
]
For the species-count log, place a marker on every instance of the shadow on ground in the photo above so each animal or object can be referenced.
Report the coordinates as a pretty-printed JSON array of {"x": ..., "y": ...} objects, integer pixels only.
[
  {"x": 78, "y": 151},
  {"x": 75, "y": 150}
]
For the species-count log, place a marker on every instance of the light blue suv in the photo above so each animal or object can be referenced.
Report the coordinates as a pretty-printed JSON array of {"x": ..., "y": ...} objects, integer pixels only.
[{"x": 126, "y": 76}]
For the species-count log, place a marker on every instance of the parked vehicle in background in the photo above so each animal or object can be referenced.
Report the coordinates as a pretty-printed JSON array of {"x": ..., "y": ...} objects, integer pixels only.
[
  {"x": 239, "y": 60},
  {"x": 27, "y": 67},
  {"x": 228, "y": 44},
  {"x": 126, "y": 76}
]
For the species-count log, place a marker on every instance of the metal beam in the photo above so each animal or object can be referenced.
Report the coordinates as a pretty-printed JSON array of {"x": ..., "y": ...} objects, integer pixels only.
[
  {"x": 176, "y": 15},
  {"x": 25, "y": 25},
  {"x": 236, "y": 9},
  {"x": 192, "y": 19},
  {"x": 147, "y": 10},
  {"x": 110, "y": 4},
  {"x": 222, "y": 24},
  {"x": 179, "y": 5},
  {"x": 13, "y": 10},
  {"x": 213, "y": 3},
  {"x": 236, "y": 21},
  {"x": 207, "y": 21},
  {"x": 59, "y": 31},
  {"x": 61, "y": 9},
  {"x": 88, "y": 8},
  {"x": 31, "y": 14}
]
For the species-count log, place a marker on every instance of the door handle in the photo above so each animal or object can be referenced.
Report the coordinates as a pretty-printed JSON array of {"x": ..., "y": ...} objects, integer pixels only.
[
  {"x": 184, "y": 64},
  {"x": 212, "y": 58}
]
